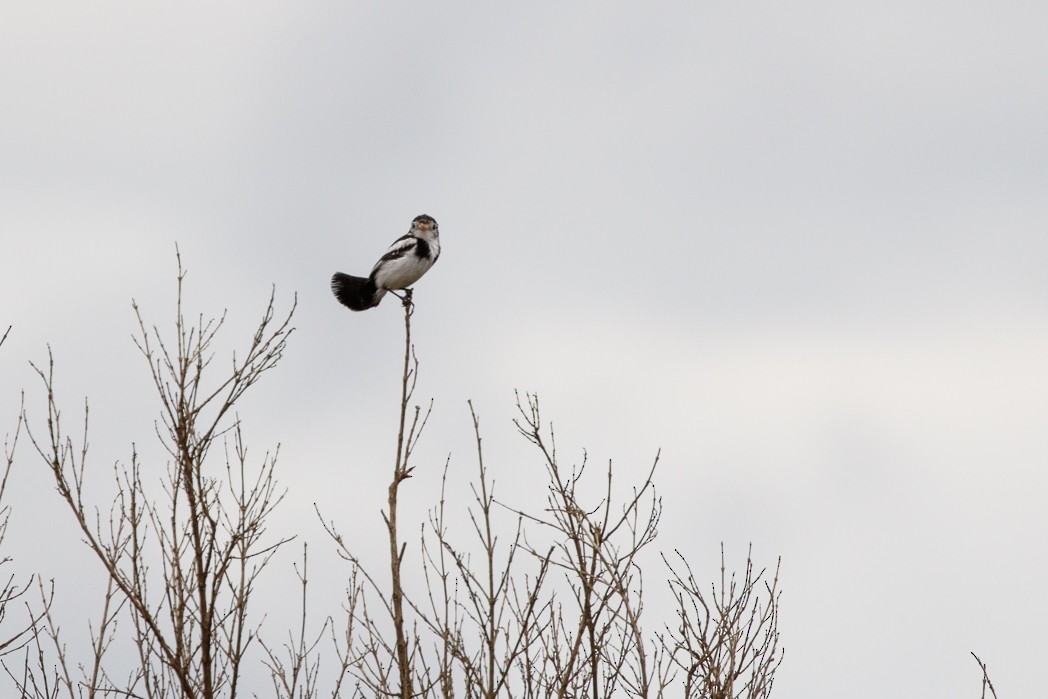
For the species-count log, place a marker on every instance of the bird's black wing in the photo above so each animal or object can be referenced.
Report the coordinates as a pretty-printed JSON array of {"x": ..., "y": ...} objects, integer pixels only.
[{"x": 400, "y": 247}]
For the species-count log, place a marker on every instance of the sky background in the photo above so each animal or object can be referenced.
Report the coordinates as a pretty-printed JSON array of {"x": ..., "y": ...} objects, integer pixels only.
[{"x": 800, "y": 247}]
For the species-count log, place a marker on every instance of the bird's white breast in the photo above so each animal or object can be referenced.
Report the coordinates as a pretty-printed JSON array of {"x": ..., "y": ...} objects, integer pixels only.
[{"x": 404, "y": 271}]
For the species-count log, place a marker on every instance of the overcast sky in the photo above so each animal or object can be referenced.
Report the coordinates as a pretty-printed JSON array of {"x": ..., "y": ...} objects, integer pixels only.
[{"x": 800, "y": 247}]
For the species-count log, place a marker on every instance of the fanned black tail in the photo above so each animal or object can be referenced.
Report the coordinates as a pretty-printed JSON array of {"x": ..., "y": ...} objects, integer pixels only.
[{"x": 356, "y": 293}]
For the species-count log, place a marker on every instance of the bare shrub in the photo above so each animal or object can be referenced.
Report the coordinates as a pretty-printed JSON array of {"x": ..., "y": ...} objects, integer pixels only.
[
  {"x": 562, "y": 618},
  {"x": 12, "y": 640},
  {"x": 726, "y": 640},
  {"x": 205, "y": 529},
  {"x": 543, "y": 600}
]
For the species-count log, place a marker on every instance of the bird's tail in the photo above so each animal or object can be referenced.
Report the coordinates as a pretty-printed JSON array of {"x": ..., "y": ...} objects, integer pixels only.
[{"x": 357, "y": 293}]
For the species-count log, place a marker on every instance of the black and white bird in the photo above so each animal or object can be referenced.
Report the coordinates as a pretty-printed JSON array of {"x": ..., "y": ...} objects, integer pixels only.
[{"x": 408, "y": 258}]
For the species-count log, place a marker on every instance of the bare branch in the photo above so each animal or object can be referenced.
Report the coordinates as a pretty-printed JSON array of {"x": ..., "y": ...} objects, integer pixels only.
[{"x": 986, "y": 683}]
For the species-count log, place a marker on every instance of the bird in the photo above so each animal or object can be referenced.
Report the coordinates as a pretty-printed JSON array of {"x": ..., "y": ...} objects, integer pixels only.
[{"x": 407, "y": 259}]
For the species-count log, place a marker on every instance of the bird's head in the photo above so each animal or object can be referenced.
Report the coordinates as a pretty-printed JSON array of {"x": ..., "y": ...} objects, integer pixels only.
[{"x": 425, "y": 227}]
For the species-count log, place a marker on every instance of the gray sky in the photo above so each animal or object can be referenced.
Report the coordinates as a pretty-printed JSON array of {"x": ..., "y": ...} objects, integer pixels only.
[{"x": 800, "y": 247}]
